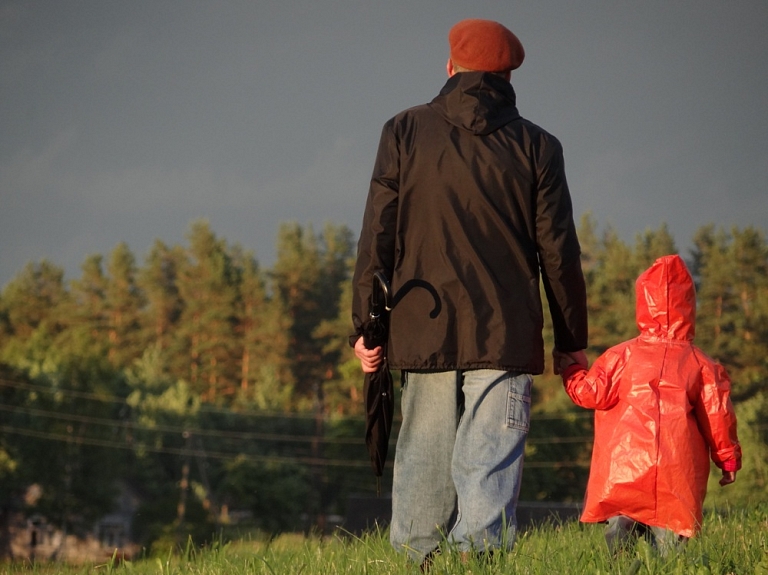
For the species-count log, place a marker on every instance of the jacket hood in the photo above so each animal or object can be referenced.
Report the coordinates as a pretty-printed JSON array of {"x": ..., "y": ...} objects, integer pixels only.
[
  {"x": 477, "y": 101},
  {"x": 666, "y": 300}
]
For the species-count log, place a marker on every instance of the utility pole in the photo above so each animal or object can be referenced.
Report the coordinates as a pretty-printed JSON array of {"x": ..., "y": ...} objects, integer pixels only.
[
  {"x": 317, "y": 455},
  {"x": 209, "y": 504},
  {"x": 181, "y": 508}
]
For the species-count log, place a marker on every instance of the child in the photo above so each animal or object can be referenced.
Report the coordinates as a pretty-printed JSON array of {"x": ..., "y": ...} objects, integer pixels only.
[{"x": 662, "y": 407}]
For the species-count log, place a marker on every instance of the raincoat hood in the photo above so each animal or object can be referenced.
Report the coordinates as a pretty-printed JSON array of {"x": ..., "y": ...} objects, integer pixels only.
[
  {"x": 479, "y": 102},
  {"x": 666, "y": 300}
]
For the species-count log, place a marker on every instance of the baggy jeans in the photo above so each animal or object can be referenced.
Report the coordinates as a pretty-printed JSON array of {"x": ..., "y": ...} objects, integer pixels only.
[{"x": 459, "y": 460}]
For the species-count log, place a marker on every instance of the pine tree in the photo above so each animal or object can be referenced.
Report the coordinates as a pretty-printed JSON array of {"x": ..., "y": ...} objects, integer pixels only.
[
  {"x": 250, "y": 313},
  {"x": 611, "y": 294},
  {"x": 653, "y": 244},
  {"x": 297, "y": 279},
  {"x": 712, "y": 269},
  {"x": 749, "y": 254},
  {"x": 31, "y": 308},
  {"x": 87, "y": 326},
  {"x": 124, "y": 301},
  {"x": 338, "y": 264},
  {"x": 208, "y": 286},
  {"x": 308, "y": 277},
  {"x": 31, "y": 298},
  {"x": 343, "y": 387},
  {"x": 159, "y": 316},
  {"x": 262, "y": 331},
  {"x": 589, "y": 243}
]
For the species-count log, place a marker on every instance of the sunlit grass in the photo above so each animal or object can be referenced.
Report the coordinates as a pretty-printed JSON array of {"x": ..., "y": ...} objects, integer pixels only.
[{"x": 735, "y": 542}]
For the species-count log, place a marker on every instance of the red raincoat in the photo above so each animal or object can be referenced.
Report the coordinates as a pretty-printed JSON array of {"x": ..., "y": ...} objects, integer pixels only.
[{"x": 662, "y": 408}]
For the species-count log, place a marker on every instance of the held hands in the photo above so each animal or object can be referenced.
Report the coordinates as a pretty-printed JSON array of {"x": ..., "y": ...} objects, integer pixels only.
[
  {"x": 563, "y": 360},
  {"x": 370, "y": 359}
]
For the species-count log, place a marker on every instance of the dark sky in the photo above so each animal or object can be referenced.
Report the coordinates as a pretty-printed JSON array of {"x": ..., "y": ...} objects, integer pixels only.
[{"x": 125, "y": 121}]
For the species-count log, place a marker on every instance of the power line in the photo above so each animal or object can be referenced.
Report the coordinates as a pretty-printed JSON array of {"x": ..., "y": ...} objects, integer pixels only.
[
  {"x": 180, "y": 451},
  {"x": 224, "y": 434},
  {"x": 240, "y": 435},
  {"x": 231, "y": 456},
  {"x": 244, "y": 436},
  {"x": 109, "y": 398},
  {"x": 128, "y": 425}
]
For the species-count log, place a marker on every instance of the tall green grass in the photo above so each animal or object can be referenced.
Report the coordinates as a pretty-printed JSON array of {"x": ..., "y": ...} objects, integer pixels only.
[{"x": 733, "y": 542}]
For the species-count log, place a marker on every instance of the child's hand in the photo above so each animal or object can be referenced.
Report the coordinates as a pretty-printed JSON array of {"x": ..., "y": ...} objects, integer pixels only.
[{"x": 728, "y": 477}]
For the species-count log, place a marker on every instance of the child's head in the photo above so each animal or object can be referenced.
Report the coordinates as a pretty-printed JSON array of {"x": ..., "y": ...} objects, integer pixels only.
[{"x": 666, "y": 300}]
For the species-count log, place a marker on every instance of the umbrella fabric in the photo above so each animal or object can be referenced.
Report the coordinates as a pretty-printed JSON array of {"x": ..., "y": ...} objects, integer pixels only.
[{"x": 378, "y": 388}]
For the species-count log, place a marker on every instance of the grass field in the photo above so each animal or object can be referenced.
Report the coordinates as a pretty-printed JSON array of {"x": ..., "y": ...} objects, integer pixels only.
[{"x": 734, "y": 542}]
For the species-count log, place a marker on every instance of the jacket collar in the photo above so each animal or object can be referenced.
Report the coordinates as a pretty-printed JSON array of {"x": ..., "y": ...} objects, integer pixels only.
[{"x": 477, "y": 101}]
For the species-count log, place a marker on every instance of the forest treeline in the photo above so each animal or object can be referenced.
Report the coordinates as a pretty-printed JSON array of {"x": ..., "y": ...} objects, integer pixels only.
[{"x": 210, "y": 388}]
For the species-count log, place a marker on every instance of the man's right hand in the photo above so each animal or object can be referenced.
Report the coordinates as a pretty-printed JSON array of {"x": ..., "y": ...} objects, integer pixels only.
[{"x": 370, "y": 359}]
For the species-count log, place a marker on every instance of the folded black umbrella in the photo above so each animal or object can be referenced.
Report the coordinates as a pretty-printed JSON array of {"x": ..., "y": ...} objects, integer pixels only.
[{"x": 378, "y": 388}]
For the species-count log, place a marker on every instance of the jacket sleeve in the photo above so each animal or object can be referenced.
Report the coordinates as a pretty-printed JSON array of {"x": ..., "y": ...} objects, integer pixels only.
[
  {"x": 716, "y": 417},
  {"x": 376, "y": 246},
  {"x": 559, "y": 250},
  {"x": 596, "y": 388}
]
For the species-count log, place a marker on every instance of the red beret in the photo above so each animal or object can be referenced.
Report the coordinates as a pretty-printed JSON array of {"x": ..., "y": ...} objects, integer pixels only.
[{"x": 485, "y": 45}]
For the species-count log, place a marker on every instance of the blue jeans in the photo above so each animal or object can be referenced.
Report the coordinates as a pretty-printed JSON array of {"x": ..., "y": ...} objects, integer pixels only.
[{"x": 459, "y": 460}]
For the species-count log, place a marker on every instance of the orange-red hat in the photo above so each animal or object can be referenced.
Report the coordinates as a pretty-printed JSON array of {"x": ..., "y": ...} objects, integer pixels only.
[{"x": 485, "y": 45}]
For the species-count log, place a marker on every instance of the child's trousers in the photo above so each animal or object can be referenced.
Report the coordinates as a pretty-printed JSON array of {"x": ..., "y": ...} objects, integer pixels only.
[{"x": 622, "y": 532}]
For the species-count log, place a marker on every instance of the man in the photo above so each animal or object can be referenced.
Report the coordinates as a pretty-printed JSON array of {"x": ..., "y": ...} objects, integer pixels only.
[{"x": 470, "y": 201}]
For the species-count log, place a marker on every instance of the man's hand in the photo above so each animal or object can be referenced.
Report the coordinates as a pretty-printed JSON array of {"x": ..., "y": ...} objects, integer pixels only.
[
  {"x": 370, "y": 359},
  {"x": 579, "y": 357},
  {"x": 564, "y": 359},
  {"x": 728, "y": 477}
]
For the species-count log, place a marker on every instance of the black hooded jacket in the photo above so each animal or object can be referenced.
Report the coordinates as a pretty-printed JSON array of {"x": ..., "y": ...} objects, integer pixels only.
[{"x": 468, "y": 209}]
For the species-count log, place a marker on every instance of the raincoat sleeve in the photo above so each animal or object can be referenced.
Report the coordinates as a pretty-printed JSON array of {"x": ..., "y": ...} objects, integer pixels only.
[
  {"x": 716, "y": 417},
  {"x": 559, "y": 250},
  {"x": 596, "y": 388},
  {"x": 376, "y": 246}
]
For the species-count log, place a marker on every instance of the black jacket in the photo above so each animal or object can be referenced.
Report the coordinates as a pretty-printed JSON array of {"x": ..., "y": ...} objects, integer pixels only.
[{"x": 468, "y": 203}]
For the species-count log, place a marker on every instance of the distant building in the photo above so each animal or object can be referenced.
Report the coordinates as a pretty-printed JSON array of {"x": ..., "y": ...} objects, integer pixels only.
[{"x": 34, "y": 538}]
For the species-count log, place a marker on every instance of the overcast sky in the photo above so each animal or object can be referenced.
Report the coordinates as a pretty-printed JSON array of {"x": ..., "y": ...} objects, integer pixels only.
[{"x": 127, "y": 120}]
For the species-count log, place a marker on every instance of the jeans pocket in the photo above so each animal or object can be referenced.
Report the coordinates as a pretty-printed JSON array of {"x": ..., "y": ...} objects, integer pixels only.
[{"x": 519, "y": 403}]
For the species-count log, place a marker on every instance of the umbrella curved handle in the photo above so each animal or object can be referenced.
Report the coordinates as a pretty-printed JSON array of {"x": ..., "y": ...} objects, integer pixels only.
[{"x": 385, "y": 289}]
